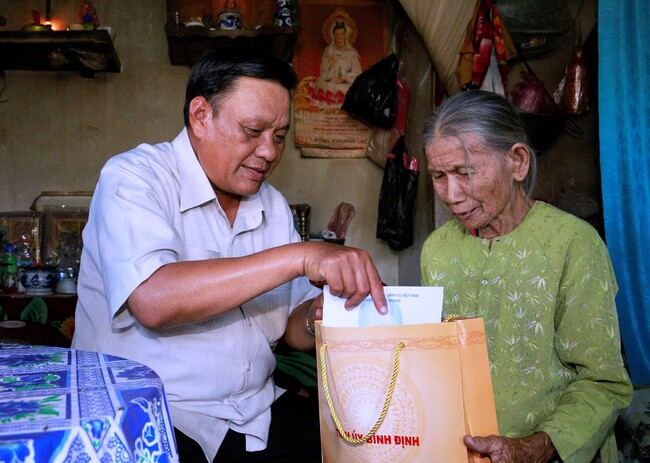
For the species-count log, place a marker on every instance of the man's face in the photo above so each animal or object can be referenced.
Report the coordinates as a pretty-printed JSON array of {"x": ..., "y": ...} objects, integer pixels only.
[{"x": 240, "y": 146}]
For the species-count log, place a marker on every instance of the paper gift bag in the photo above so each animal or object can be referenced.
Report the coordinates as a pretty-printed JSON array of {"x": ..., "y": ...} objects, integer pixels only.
[{"x": 406, "y": 393}]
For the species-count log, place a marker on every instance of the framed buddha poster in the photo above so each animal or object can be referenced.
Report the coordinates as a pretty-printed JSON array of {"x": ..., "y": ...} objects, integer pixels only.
[{"x": 338, "y": 40}]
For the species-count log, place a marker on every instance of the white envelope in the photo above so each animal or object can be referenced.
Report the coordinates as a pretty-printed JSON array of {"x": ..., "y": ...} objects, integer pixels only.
[{"x": 407, "y": 305}]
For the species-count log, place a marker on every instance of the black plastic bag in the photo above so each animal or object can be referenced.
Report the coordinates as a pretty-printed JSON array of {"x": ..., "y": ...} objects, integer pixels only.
[
  {"x": 397, "y": 198},
  {"x": 372, "y": 97}
]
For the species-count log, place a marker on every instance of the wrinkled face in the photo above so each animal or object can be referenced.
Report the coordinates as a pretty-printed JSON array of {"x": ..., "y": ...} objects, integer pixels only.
[
  {"x": 240, "y": 146},
  {"x": 478, "y": 194}
]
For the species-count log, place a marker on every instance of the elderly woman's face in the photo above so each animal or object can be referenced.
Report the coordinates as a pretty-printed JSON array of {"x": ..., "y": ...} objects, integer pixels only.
[{"x": 479, "y": 194}]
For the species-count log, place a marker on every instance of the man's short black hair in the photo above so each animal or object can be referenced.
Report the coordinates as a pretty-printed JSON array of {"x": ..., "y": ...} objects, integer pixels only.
[{"x": 216, "y": 73}]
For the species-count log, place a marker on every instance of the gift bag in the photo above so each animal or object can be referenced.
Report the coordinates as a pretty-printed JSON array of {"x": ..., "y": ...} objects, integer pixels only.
[{"x": 406, "y": 393}]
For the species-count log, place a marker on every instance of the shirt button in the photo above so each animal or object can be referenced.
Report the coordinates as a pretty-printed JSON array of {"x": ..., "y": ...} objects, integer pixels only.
[
  {"x": 484, "y": 282},
  {"x": 484, "y": 241}
]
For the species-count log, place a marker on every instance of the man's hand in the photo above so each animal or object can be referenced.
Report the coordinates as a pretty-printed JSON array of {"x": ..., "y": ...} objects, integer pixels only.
[
  {"x": 349, "y": 272},
  {"x": 315, "y": 311},
  {"x": 537, "y": 448}
]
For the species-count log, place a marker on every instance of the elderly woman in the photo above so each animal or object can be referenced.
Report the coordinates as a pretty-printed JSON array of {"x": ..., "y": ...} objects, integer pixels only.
[{"x": 540, "y": 278}]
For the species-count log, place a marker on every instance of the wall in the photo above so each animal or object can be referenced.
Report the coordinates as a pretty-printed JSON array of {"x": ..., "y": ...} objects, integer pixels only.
[{"x": 58, "y": 129}]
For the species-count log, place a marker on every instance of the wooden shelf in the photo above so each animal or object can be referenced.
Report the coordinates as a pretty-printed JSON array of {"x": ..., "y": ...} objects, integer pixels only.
[
  {"x": 87, "y": 52},
  {"x": 188, "y": 44}
]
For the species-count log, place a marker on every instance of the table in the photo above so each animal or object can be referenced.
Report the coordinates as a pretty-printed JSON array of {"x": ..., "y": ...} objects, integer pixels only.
[{"x": 67, "y": 405}]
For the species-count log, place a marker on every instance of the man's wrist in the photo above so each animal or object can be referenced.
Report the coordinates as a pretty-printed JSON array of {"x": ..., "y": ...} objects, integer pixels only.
[{"x": 310, "y": 327}]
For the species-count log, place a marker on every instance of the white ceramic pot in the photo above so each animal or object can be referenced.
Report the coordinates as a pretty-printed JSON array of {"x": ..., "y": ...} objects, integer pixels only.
[{"x": 67, "y": 286}]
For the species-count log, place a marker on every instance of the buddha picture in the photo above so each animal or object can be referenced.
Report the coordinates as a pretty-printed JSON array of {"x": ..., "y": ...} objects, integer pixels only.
[
  {"x": 333, "y": 51},
  {"x": 340, "y": 63}
]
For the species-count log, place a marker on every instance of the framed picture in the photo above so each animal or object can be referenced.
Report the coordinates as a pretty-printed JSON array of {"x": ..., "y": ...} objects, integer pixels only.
[
  {"x": 338, "y": 40},
  {"x": 62, "y": 241},
  {"x": 23, "y": 230}
]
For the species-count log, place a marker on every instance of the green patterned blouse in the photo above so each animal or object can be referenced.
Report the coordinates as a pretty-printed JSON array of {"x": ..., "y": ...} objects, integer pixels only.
[{"x": 546, "y": 294}]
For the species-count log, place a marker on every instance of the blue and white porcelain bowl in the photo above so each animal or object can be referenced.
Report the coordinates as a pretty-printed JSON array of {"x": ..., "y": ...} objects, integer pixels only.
[
  {"x": 229, "y": 20},
  {"x": 39, "y": 281}
]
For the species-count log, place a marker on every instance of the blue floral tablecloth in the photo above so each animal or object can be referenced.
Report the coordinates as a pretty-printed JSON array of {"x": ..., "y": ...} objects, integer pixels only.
[{"x": 64, "y": 405}]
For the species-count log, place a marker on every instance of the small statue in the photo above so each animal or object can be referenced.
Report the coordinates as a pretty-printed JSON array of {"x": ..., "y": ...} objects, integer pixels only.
[{"x": 229, "y": 18}]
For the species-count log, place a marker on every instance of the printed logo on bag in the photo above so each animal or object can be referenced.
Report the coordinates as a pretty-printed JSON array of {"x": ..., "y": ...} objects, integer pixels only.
[{"x": 360, "y": 398}]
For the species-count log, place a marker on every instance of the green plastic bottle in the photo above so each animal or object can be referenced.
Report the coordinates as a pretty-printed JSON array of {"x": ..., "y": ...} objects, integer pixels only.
[{"x": 9, "y": 264}]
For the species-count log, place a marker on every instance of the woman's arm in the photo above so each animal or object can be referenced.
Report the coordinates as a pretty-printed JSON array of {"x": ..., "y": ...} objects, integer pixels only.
[{"x": 587, "y": 340}]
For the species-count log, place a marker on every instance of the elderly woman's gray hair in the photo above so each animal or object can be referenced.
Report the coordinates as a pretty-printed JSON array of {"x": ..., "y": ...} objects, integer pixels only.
[{"x": 487, "y": 115}]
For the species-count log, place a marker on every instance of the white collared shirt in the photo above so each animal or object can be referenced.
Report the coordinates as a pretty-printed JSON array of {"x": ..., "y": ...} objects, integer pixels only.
[{"x": 152, "y": 206}]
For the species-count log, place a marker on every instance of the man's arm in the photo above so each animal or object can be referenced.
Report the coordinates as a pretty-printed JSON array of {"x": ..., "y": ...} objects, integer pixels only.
[
  {"x": 301, "y": 321},
  {"x": 185, "y": 292}
]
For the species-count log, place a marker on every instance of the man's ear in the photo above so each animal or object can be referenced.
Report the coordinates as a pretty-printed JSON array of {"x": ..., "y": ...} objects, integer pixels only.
[
  {"x": 518, "y": 157},
  {"x": 200, "y": 112}
]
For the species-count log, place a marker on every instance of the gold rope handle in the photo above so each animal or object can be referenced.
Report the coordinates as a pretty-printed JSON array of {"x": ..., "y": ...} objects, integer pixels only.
[{"x": 382, "y": 415}]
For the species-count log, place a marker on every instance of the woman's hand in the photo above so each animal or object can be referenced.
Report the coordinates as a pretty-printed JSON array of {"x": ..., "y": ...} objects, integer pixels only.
[{"x": 537, "y": 448}]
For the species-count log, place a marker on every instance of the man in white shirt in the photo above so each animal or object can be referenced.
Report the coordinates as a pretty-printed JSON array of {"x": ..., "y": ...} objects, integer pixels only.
[{"x": 192, "y": 266}]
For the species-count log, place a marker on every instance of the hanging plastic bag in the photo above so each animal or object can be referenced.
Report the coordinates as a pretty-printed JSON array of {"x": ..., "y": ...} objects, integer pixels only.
[
  {"x": 382, "y": 140},
  {"x": 572, "y": 95},
  {"x": 372, "y": 97},
  {"x": 547, "y": 122},
  {"x": 397, "y": 198},
  {"x": 527, "y": 95}
]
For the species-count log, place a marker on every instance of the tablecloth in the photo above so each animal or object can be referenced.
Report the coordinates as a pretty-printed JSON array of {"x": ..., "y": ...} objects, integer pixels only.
[{"x": 65, "y": 405}]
